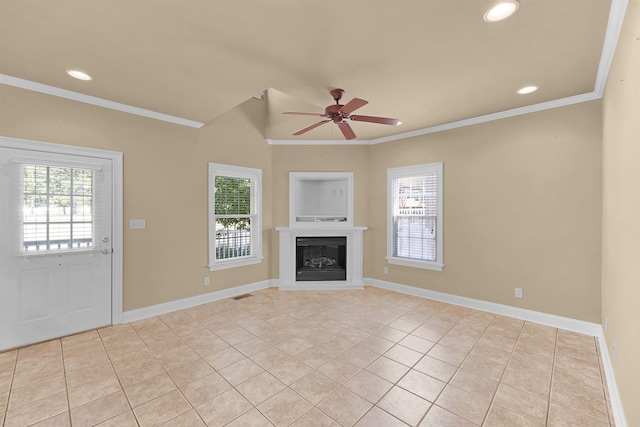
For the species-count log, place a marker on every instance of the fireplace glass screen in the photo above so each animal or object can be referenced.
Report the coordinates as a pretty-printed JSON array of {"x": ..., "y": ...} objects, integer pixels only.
[{"x": 321, "y": 258}]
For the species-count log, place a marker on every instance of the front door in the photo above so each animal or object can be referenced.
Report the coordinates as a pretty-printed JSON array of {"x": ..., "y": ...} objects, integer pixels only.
[{"x": 55, "y": 245}]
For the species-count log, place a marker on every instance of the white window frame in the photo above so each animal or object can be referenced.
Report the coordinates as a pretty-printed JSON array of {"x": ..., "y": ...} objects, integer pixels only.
[
  {"x": 408, "y": 171},
  {"x": 217, "y": 169}
]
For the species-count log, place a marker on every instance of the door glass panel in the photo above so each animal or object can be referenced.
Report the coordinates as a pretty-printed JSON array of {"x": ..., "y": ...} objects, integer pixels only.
[{"x": 57, "y": 208}]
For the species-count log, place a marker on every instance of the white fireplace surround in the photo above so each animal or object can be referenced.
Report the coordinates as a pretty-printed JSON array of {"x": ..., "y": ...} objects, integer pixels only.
[
  {"x": 354, "y": 248},
  {"x": 321, "y": 205}
]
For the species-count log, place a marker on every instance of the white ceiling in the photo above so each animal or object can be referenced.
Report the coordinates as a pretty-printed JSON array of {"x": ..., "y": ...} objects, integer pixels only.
[{"x": 429, "y": 63}]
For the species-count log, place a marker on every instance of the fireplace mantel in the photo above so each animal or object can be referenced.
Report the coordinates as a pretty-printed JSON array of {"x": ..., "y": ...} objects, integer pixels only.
[{"x": 287, "y": 252}]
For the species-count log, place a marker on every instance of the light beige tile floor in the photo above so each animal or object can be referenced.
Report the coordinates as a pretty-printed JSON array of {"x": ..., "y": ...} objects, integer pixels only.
[{"x": 310, "y": 358}]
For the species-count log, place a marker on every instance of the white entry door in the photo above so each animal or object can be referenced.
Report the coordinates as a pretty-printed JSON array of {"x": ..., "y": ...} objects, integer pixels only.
[{"x": 55, "y": 245}]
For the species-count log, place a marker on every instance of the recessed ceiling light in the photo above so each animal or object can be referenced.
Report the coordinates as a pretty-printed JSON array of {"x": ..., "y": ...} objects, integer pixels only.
[
  {"x": 76, "y": 74},
  {"x": 502, "y": 10},
  {"x": 527, "y": 89}
]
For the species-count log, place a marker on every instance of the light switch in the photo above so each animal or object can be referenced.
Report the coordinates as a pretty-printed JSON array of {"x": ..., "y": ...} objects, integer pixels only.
[{"x": 137, "y": 224}]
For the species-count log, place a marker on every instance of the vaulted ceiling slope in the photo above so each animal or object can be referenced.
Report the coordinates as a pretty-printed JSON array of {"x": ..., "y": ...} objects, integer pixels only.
[{"x": 428, "y": 63}]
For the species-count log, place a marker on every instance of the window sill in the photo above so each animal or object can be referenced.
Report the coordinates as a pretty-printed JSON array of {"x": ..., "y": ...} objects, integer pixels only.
[
  {"x": 223, "y": 265},
  {"x": 426, "y": 265}
]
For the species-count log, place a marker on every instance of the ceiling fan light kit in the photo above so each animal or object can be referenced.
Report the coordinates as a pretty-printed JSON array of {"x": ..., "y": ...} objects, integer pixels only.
[{"x": 339, "y": 113}]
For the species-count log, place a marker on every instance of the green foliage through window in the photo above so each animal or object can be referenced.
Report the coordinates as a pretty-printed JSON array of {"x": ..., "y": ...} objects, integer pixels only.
[
  {"x": 235, "y": 237},
  {"x": 233, "y": 216}
]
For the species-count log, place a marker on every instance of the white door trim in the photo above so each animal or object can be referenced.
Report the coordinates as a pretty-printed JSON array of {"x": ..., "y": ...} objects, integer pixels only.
[{"x": 117, "y": 221}]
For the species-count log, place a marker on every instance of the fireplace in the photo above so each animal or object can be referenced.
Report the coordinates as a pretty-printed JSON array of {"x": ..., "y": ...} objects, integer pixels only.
[
  {"x": 347, "y": 252},
  {"x": 321, "y": 258},
  {"x": 321, "y": 249}
]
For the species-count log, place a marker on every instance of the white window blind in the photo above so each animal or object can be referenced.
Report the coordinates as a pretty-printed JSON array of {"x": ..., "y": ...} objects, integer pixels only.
[
  {"x": 234, "y": 208},
  {"x": 235, "y": 225},
  {"x": 57, "y": 208},
  {"x": 415, "y": 216}
]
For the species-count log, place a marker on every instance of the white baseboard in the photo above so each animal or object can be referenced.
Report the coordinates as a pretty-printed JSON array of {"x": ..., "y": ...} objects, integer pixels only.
[
  {"x": 580, "y": 326},
  {"x": 168, "y": 307},
  {"x": 614, "y": 396},
  {"x": 588, "y": 328}
]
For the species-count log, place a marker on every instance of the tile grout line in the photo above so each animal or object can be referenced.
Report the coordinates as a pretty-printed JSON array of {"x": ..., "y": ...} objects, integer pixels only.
[
  {"x": 165, "y": 371},
  {"x": 399, "y": 379},
  {"x": 13, "y": 375},
  {"x": 244, "y": 312},
  {"x": 504, "y": 371},
  {"x": 117, "y": 377},
  {"x": 426, "y": 354},
  {"x": 66, "y": 384},
  {"x": 459, "y": 366}
]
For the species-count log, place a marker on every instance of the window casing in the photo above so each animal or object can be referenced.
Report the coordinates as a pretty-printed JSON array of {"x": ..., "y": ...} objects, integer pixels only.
[
  {"x": 414, "y": 220},
  {"x": 235, "y": 206}
]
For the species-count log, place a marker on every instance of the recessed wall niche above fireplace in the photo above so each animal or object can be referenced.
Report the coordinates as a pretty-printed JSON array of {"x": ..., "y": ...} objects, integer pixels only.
[
  {"x": 321, "y": 248},
  {"x": 320, "y": 199}
]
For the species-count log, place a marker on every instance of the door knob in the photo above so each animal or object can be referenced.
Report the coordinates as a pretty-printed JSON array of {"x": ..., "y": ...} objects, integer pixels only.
[{"x": 106, "y": 251}]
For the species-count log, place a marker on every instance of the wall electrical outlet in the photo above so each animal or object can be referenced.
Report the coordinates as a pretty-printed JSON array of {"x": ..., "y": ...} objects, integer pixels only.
[
  {"x": 614, "y": 350},
  {"x": 606, "y": 324},
  {"x": 386, "y": 270},
  {"x": 207, "y": 281},
  {"x": 518, "y": 292}
]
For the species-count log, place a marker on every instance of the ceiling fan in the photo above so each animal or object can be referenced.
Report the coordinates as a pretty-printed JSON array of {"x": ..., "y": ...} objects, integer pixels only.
[{"x": 339, "y": 113}]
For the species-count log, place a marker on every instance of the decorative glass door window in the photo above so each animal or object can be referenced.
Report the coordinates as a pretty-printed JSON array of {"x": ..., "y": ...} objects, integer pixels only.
[{"x": 57, "y": 208}]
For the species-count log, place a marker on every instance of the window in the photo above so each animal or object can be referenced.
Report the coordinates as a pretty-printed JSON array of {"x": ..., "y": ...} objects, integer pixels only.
[
  {"x": 235, "y": 231},
  {"x": 414, "y": 224},
  {"x": 57, "y": 208}
]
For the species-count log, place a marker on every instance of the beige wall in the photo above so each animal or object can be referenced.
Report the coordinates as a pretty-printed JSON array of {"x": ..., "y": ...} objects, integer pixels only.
[
  {"x": 621, "y": 213},
  {"x": 522, "y": 199},
  {"x": 522, "y": 208},
  {"x": 165, "y": 182}
]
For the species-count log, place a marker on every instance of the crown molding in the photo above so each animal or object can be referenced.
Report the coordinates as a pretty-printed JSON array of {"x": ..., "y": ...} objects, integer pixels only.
[
  {"x": 556, "y": 103},
  {"x": 614, "y": 26},
  {"x": 318, "y": 141},
  {"x": 93, "y": 100},
  {"x": 452, "y": 125}
]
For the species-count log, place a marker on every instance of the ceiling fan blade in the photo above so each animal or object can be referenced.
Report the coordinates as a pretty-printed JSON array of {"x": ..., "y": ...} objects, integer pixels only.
[
  {"x": 305, "y": 114},
  {"x": 371, "y": 119},
  {"x": 313, "y": 126},
  {"x": 353, "y": 105},
  {"x": 346, "y": 130}
]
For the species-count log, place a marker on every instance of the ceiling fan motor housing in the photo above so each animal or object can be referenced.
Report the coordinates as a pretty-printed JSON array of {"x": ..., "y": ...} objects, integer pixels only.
[{"x": 334, "y": 113}]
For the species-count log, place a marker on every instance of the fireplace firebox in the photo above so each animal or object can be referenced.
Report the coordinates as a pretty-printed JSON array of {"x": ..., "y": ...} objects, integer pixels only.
[{"x": 322, "y": 258}]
